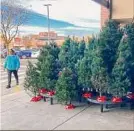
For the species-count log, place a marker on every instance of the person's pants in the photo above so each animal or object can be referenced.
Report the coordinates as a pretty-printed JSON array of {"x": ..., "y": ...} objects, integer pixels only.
[{"x": 15, "y": 72}]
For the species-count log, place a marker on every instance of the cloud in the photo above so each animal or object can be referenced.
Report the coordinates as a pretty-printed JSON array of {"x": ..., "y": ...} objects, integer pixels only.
[
  {"x": 77, "y": 28},
  {"x": 77, "y": 31},
  {"x": 77, "y": 12},
  {"x": 25, "y": 30}
]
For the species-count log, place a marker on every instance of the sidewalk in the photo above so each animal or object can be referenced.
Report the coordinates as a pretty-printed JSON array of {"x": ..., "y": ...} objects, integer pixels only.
[{"x": 18, "y": 113}]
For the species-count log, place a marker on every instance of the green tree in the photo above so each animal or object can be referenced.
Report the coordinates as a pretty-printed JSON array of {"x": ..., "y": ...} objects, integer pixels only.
[
  {"x": 123, "y": 71},
  {"x": 48, "y": 66},
  {"x": 99, "y": 76},
  {"x": 84, "y": 73},
  {"x": 110, "y": 37},
  {"x": 65, "y": 54},
  {"x": 74, "y": 51},
  {"x": 31, "y": 79},
  {"x": 71, "y": 51},
  {"x": 129, "y": 34},
  {"x": 81, "y": 49},
  {"x": 65, "y": 87},
  {"x": 84, "y": 68}
]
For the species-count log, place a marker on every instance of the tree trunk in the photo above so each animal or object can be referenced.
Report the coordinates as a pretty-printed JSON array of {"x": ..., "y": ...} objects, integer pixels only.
[{"x": 7, "y": 47}]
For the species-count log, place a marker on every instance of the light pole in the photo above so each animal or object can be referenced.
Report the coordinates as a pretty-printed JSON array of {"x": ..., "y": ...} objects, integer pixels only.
[{"x": 48, "y": 21}]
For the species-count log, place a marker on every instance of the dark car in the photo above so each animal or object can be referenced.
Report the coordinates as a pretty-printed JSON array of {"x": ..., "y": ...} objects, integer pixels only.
[
  {"x": 25, "y": 54},
  {"x": 20, "y": 53}
]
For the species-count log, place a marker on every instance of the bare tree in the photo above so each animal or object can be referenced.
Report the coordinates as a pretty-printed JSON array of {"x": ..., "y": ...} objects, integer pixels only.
[{"x": 13, "y": 15}]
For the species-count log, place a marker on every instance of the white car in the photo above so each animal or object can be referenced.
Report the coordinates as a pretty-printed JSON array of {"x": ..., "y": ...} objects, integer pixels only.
[{"x": 35, "y": 54}]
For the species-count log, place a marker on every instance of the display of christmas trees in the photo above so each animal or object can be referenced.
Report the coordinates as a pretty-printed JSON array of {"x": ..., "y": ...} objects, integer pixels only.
[{"x": 105, "y": 64}]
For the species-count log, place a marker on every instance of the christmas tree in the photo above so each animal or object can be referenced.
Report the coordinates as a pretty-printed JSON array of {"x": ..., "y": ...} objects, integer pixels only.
[
  {"x": 129, "y": 34},
  {"x": 69, "y": 56},
  {"x": 99, "y": 76},
  {"x": 65, "y": 87},
  {"x": 84, "y": 73},
  {"x": 110, "y": 37},
  {"x": 81, "y": 49},
  {"x": 74, "y": 50},
  {"x": 31, "y": 79},
  {"x": 65, "y": 55},
  {"x": 70, "y": 53},
  {"x": 48, "y": 66},
  {"x": 123, "y": 69}
]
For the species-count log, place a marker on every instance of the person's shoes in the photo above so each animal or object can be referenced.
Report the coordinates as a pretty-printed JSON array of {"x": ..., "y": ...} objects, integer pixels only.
[{"x": 8, "y": 87}]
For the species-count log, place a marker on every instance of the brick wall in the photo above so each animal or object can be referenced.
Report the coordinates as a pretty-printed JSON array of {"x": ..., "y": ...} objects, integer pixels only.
[{"x": 104, "y": 15}]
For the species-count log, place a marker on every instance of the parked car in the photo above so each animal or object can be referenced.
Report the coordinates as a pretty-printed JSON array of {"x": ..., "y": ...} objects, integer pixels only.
[
  {"x": 25, "y": 54},
  {"x": 3, "y": 53},
  {"x": 18, "y": 52},
  {"x": 21, "y": 53}
]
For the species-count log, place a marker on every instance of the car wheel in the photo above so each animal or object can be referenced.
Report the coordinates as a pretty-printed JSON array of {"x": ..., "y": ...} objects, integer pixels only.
[{"x": 23, "y": 57}]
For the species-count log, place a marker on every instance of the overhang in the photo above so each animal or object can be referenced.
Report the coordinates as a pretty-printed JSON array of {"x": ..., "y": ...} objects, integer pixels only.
[{"x": 102, "y": 2}]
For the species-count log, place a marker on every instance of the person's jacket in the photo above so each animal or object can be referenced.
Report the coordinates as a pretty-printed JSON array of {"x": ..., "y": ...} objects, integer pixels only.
[{"x": 12, "y": 62}]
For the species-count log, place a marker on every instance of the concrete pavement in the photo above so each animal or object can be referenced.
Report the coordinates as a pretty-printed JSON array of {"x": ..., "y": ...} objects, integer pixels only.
[
  {"x": 4, "y": 80},
  {"x": 18, "y": 113}
]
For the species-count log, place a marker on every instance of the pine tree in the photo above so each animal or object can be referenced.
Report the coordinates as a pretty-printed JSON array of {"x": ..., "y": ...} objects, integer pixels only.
[
  {"x": 84, "y": 73},
  {"x": 124, "y": 67},
  {"x": 81, "y": 49},
  {"x": 110, "y": 37},
  {"x": 70, "y": 53},
  {"x": 52, "y": 49},
  {"x": 65, "y": 54},
  {"x": 99, "y": 76},
  {"x": 129, "y": 33},
  {"x": 69, "y": 56},
  {"x": 74, "y": 50},
  {"x": 31, "y": 79},
  {"x": 48, "y": 66},
  {"x": 84, "y": 66},
  {"x": 65, "y": 87}
]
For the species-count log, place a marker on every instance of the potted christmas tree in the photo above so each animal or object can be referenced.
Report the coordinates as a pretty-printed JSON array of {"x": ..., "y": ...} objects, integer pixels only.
[
  {"x": 31, "y": 81},
  {"x": 84, "y": 75},
  {"x": 129, "y": 31},
  {"x": 109, "y": 39},
  {"x": 65, "y": 88},
  {"x": 68, "y": 57},
  {"x": 99, "y": 76},
  {"x": 48, "y": 68},
  {"x": 122, "y": 70}
]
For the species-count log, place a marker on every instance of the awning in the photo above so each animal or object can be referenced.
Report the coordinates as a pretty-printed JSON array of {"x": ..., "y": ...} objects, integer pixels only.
[{"x": 102, "y": 2}]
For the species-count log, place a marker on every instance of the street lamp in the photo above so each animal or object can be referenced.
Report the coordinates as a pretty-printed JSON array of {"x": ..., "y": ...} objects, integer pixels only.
[{"x": 48, "y": 21}]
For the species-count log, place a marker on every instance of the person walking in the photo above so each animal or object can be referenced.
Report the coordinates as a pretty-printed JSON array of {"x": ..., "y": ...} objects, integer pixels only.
[{"x": 12, "y": 64}]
